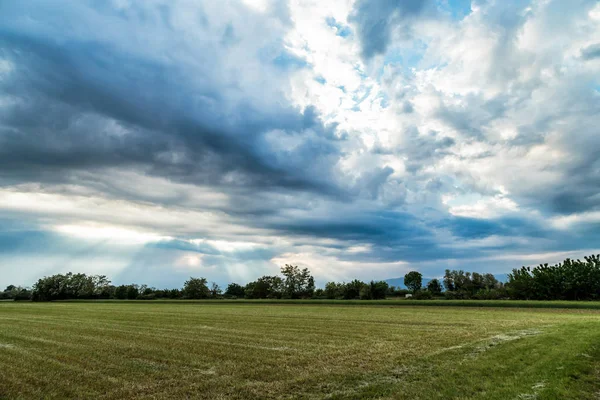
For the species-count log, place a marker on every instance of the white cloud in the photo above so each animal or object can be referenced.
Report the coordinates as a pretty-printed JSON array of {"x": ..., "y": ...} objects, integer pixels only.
[
  {"x": 480, "y": 207},
  {"x": 114, "y": 234}
]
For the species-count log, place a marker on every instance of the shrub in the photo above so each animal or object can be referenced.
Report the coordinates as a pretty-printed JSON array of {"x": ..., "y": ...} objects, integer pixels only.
[
  {"x": 150, "y": 296},
  {"x": 490, "y": 294},
  {"x": 22, "y": 295},
  {"x": 423, "y": 295},
  {"x": 400, "y": 292},
  {"x": 454, "y": 295}
]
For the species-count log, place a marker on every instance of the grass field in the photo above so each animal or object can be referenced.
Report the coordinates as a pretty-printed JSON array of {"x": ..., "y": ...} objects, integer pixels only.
[
  {"x": 588, "y": 305},
  {"x": 122, "y": 350}
]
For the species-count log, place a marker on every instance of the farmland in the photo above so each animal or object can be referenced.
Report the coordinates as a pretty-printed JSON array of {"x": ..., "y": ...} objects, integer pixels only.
[{"x": 117, "y": 350}]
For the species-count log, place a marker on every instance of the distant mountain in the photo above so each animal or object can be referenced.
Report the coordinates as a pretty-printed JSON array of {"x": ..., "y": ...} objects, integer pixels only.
[{"x": 399, "y": 282}]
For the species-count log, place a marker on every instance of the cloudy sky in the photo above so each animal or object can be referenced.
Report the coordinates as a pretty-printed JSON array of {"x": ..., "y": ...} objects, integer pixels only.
[{"x": 156, "y": 140}]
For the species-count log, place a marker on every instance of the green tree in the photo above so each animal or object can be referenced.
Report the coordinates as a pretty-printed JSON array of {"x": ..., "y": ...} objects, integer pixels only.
[
  {"x": 351, "y": 290},
  {"x": 234, "y": 290},
  {"x": 365, "y": 292},
  {"x": 449, "y": 281},
  {"x": 133, "y": 292},
  {"x": 413, "y": 281},
  {"x": 121, "y": 292},
  {"x": 69, "y": 286},
  {"x": 215, "y": 290},
  {"x": 21, "y": 294},
  {"x": 196, "y": 288},
  {"x": 379, "y": 290},
  {"x": 334, "y": 290},
  {"x": 435, "y": 287},
  {"x": 297, "y": 283},
  {"x": 16, "y": 293},
  {"x": 265, "y": 287}
]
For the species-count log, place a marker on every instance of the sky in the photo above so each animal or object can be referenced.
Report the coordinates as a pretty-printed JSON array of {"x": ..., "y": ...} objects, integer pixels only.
[{"x": 155, "y": 140}]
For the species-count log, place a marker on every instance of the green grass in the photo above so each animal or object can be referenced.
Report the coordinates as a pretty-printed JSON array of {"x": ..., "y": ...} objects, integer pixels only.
[
  {"x": 587, "y": 305},
  {"x": 226, "y": 350}
]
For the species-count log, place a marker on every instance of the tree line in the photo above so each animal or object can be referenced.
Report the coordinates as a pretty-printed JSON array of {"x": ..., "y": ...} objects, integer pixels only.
[
  {"x": 569, "y": 280},
  {"x": 293, "y": 283}
]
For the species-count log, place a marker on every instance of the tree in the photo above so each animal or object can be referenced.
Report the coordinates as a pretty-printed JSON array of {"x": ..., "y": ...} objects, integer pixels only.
[
  {"x": 490, "y": 281},
  {"x": 334, "y": 290},
  {"x": 133, "y": 292},
  {"x": 351, "y": 290},
  {"x": 265, "y": 287},
  {"x": 413, "y": 281},
  {"x": 435, "y": 287},
  {"x": 365, "y": 292},
  {"x": 234, "y": 290},
  {"x": 70, "y": 286},
  {"x": 21, "y": 293},
  {"x": 449, "y": 281},
  {"x": 196, "y": 288},
  {"x": 121, "y": 292},
  {"x": 378, "y": 290},
  {"x": 297, "y": 283},
  {"x": 215, "y": 290},
  {"x": 15, "y": 293}
]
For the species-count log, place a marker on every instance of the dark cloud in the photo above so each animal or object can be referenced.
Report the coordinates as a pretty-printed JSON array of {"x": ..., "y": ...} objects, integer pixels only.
[
  {"x": 477, "y": 228},
  {"x": 375, "y": 21},
  {"x": 370, "y": 227},
  {"x": 73, "y": 96},
  {"x": 422, "y": 150},
  {"x": 591, "y": 52}
]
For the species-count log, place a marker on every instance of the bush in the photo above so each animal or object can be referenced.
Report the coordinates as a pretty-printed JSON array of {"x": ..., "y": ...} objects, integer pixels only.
[
  {"x": 22, "y": 295},
  {"x": 399, "y": 292},
  {"x": 454, "y": 295},
  {"x": 423, "y": 295},
  {"x": 150, "y": 296},
  {"x": 491, "y": 294}
]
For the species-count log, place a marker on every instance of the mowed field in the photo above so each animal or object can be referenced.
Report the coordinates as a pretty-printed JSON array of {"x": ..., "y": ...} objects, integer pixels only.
[{"x": 142, "y": 350}]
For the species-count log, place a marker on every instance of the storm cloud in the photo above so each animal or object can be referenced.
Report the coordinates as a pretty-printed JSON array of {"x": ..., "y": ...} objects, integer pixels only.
[{"x": 360, "y": 139}]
